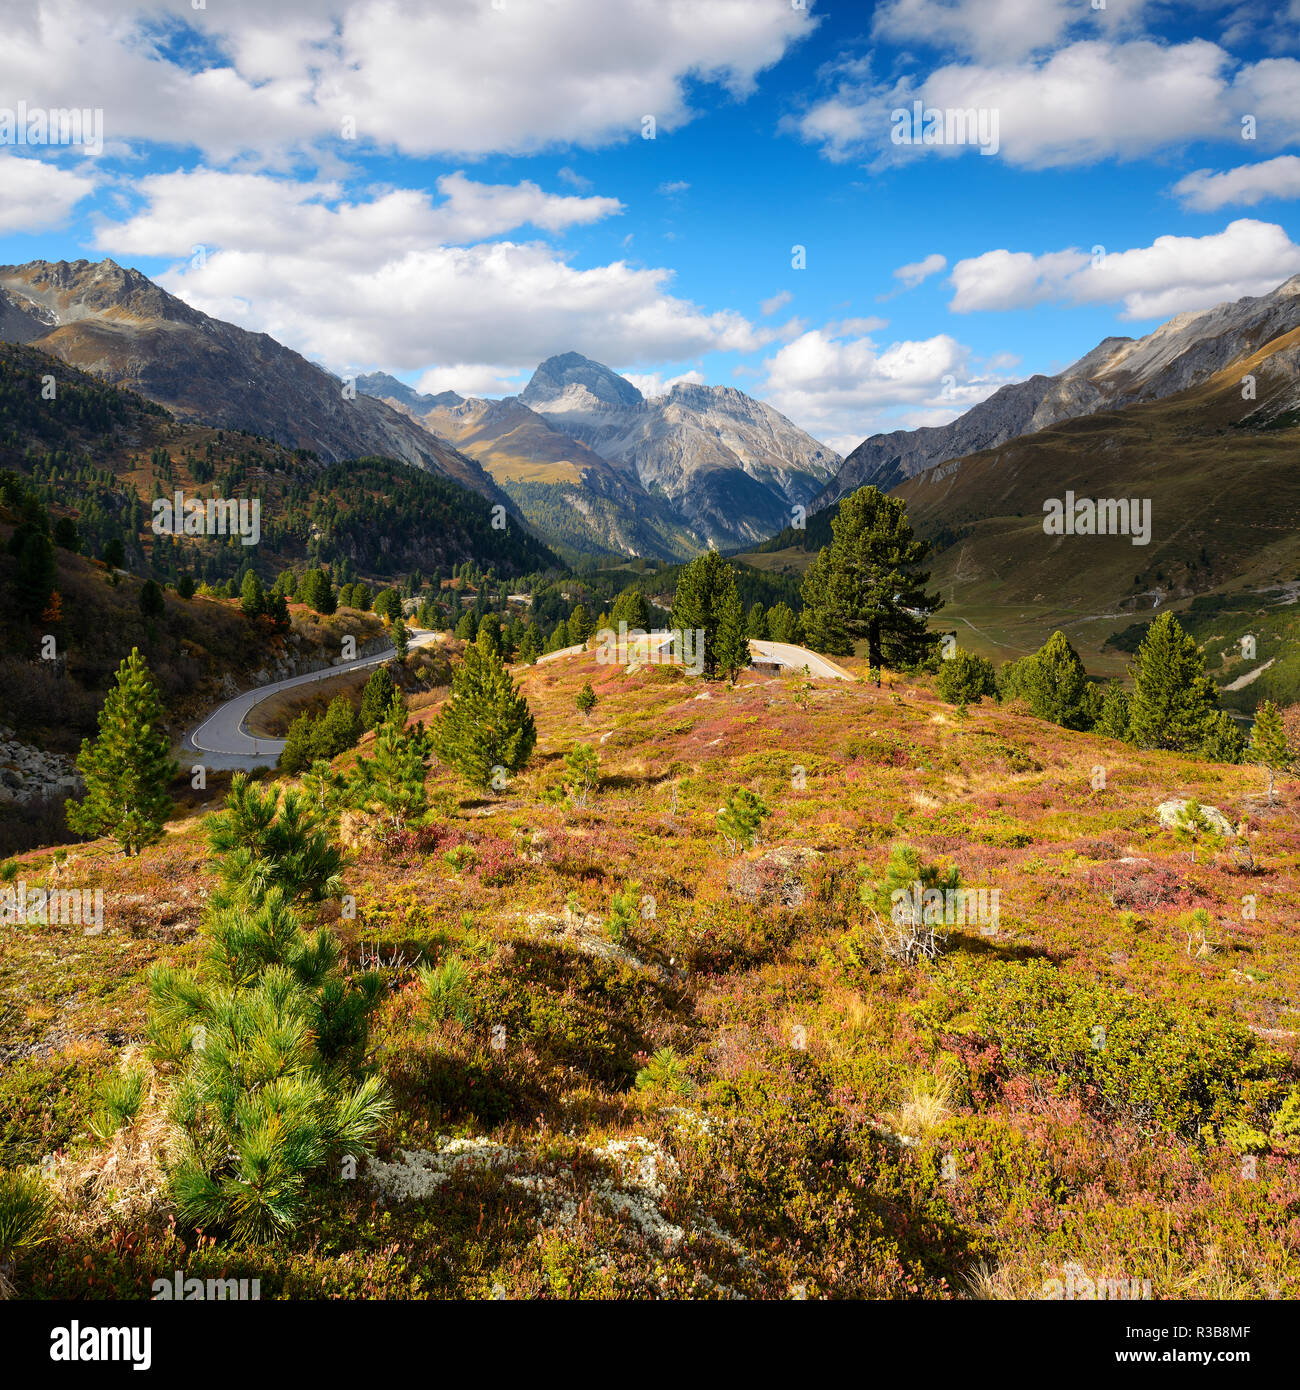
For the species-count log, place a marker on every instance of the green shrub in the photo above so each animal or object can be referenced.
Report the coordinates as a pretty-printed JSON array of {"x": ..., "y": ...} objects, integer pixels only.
[{"x": 1163, "y": 1065}]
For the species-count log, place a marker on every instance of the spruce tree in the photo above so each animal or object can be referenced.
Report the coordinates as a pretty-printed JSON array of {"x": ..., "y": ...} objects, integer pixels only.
[
  {"x": 129, "y": 766},
  {"x": 1268, "y": 743},
  {"x": 865, "y": 585},
  {"x": 1174, "y": 703},
  {"x": 707, "y": 602},
  {"x": 486, "y": 723},
  {"x": 251, "y": 598}
]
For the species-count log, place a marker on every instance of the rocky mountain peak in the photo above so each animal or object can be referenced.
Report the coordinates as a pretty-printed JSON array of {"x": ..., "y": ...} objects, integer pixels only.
[{"x": 571, "y": 375}]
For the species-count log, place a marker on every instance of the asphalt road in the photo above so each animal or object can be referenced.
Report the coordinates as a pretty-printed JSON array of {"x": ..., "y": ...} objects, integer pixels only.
[{"x": 222, "y": 742}]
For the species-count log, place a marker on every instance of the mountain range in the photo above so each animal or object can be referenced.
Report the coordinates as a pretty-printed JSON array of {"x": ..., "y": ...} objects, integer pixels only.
[
  {"x": 1182, "y": 353},
  {"x": 583, "y": 452},
  {"x": 119, "y": 326}
]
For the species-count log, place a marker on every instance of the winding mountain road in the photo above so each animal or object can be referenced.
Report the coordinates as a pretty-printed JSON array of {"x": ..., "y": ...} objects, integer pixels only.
[{"x": 222, "y": 742}]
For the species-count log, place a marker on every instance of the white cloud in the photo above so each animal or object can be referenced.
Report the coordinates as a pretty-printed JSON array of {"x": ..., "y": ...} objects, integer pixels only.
[
  {"x": 841, "y": 387},
  {"x": 233, "y": 211},
  {"x": 1246, "y": 185},
  {"x": 1089, "y": 101},
  {"x": 778, "y": 301},
  {"x": 354, "y": 283},
  {"x": 35, "y": 195},
  {"x": 999, "y": 29},
  {"x": 1175, "y": 274},
  {"x": 652, "y": 384},
  {"x": 670, "y": 190},
  {"x": 471, "y": 379},
  {"x": 912, "y": 275},
  {"x": 453, "y": 79}
]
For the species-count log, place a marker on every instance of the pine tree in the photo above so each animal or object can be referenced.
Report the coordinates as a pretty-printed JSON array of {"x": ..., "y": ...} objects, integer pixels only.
[
  {"x": 151, "y": 599},
  {"x": 741, "y": 817},
  {"x": 586, "y": 700},
  {"x": 756, "y": 623},
  {"x": 631, "y": 607},
  {"x": 530, "y": 648},
  {"x": 583, "y": 767},
  {"x": 1113, "y": 721},
  {"x": 251, "y": 598},
  {"x": 264, "y": 839},
  {"x": 965, "y": 678},
  {"x": 297, "y": 751},
  {"x": 1057, "y": 684},
  {"x": 185, "y": 586},
  {"x": 580, "y": 625},
  {"x": 128, "y": 767},
  {"x": 1174, "y": 703},
  {"x": 486, "y": 723},
  {"x": 1268, "y": 743},
  {"x": 865, "y": 585},
  {"x": 783, "y": 623},
  {"x": 467, "y": 627},
  {"x": 377, "y": 696},
  {"x": 401, "y": 639},
  {"x": 707, "y": 602},
  {"x": 394, "y": 778},
  {"x": 559, "y": 638},
  {"x": 37, "y": 571}
]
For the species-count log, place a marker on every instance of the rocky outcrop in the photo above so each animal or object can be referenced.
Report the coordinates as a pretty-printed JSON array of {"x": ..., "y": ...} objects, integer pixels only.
[{"x": 28, "y": 773}]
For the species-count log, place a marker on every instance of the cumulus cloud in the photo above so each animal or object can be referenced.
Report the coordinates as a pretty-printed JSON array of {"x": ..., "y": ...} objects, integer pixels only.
[
  {"x": 1088, "y": 101},
  {"x": 1246, "y": 185},
  {"x": 35, "y": 195},
  {"x": 1175, "y": 274},
  {"x": 459, "y": 80},
  {"x": 364, "y": 281},
  {"x": 841, "y": 387},
  {"x": 778, "y": 301}
]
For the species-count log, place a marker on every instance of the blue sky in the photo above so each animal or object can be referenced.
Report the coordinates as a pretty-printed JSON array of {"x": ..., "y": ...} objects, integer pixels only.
[{"x": 453, "y": 190}]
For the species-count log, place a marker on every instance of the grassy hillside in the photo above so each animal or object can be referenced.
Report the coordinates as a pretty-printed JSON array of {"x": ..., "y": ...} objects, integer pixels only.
[
  {"x": 829, "y": 1122},
  {"x": 1225, "y": 500}
]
